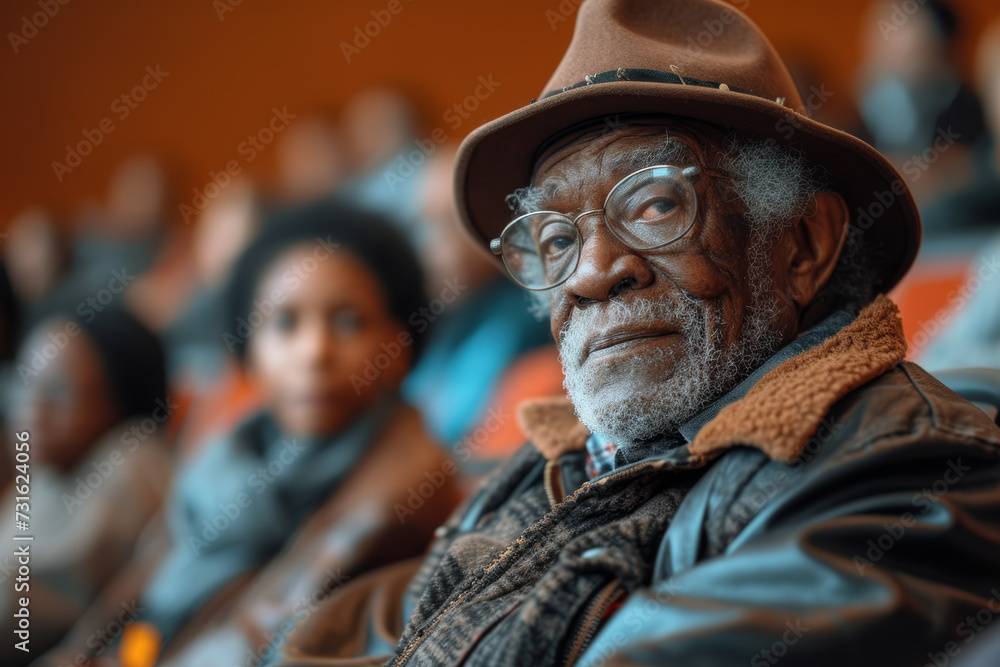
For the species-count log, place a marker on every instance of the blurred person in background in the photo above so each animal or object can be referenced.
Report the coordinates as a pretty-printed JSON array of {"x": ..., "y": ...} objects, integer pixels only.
[
  {"x": 10, "y": 330},
  {"x": 988, "y": 76},
  {"x": 972, "y": 334},
  {"x": 128, "y": 233},
  {"x": 91, "y": 394},
  {"x": 10, "y": 317},
  {"x": 312, "y": 160},
  {"x": 217, "y": 391},
  {"x": 485, "y": 352},
  {"x": 317, "y": 486},
  {"x": 36, "y": 254},
  {"x": 379, "y": 127},
  {"x": 915, "y": 108},
  {"x": 978, "y": 204},
  {"x": 196, "y": 353}
]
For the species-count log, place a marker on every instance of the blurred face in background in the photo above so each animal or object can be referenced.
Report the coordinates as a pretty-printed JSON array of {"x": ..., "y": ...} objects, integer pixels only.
[
  {"x": 377, "y": 124},
  {"x": 137, "y": 198},
  {"x": 33, "y": 254},
  {"x": 450, "y": 253},
  {"x": 68, "y": 405},
  {"x": 312, "y": 355},
  {"x": 913, "y": 50},
  {"x": 312, "y": 162}
]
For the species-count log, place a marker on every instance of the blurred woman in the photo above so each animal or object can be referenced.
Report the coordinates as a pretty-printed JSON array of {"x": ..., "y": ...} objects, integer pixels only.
[
  {"x": 89, "y": 393},
  {"x": 334, "y": 476}
]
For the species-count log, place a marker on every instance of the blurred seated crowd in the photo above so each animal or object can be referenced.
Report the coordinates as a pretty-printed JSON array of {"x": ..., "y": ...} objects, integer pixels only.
[{"x": 232, "y": 418}]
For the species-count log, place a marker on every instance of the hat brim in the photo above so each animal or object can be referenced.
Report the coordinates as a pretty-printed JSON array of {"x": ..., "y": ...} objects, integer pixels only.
[{"x": 498, "y": 157}]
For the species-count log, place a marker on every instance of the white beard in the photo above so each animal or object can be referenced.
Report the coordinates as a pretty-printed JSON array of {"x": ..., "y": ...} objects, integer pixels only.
[{"x": 625, "y": 400}]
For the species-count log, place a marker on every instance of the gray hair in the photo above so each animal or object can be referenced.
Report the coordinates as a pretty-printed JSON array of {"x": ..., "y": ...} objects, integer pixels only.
[{"x": 775, "y": 182}]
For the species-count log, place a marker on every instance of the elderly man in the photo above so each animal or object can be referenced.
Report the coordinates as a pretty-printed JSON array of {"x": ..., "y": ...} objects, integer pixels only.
[{"x": 749, "y": 471}]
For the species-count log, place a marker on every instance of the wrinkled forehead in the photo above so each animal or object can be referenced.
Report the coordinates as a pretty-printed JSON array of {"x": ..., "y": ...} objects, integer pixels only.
[{"x": 621, "y": 145}]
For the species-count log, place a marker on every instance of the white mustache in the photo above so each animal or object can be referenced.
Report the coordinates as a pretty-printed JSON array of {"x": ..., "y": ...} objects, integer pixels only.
[{"x": 575, "y": 336}]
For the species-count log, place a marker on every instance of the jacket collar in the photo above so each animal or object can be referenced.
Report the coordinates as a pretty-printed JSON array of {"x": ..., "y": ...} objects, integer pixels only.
[{"x": 782, "y": 409}]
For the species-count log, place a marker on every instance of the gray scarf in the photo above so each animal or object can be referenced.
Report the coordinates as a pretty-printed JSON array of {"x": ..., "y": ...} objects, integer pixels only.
[{"x": 241, "y": 501}]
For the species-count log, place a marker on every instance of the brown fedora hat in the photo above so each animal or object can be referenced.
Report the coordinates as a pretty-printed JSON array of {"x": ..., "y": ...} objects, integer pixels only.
[{"x": 653, "y": 57}]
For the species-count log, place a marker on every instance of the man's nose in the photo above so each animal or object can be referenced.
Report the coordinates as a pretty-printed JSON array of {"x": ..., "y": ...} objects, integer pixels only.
[{"x": 607, "y": 267}]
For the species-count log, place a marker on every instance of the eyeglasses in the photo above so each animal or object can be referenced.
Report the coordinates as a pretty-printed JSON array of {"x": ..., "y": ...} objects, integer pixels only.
[{"x": 646, "y": 210}]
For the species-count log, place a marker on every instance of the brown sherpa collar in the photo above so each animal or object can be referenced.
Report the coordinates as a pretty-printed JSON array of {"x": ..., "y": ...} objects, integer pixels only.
[
  {"x": 551, "y": 426},
  {"x": 780, "y": 413}
]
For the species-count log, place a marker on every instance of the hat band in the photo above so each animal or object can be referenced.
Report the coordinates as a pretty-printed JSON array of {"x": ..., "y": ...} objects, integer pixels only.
[{"x": 644, "y": 75}]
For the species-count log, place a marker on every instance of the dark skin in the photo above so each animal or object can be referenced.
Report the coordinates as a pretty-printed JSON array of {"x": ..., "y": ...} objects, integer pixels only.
[
  {"x": 68, "y": 406},
  {"x": 306, "y": 352},
  {"x": 709, "y": 264}
]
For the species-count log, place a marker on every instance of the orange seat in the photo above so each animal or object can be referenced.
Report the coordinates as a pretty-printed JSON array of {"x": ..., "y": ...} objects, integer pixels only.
[
  {"x": 534, "y": 374},
  {"x": 218, "y": 409},
  {"x": 926, "y": 297}
]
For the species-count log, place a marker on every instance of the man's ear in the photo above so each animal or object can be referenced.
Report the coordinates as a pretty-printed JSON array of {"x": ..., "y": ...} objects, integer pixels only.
[{"x": 812, "y": 247}]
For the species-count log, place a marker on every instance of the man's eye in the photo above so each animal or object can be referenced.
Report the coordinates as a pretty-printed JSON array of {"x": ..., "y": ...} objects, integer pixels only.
[
  {"x": 656, "y": 209},
  {"x": 555, "y": 245},
  {"x": 555, "y": 238}
]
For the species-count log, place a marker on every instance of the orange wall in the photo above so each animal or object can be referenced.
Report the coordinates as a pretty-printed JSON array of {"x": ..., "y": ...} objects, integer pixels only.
[{"x": 226, "y": 75}]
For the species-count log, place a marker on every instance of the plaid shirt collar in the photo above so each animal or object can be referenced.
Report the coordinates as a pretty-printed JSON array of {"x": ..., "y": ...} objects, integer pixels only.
[{"x": 600, "y": 455}]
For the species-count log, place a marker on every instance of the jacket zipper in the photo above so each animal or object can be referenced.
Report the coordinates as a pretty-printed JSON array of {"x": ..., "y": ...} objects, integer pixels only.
[
  {"x": 603, "y": 595},
  {"x": 592, "y": 616},
  {"x": 419, "y": 637},
  {"x": 552, "y": 477}
]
